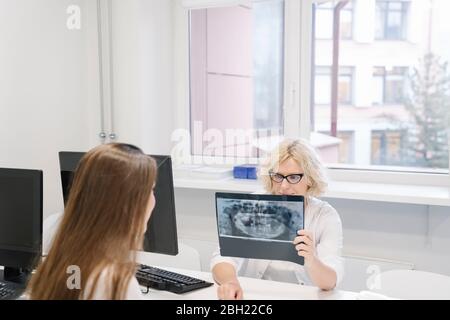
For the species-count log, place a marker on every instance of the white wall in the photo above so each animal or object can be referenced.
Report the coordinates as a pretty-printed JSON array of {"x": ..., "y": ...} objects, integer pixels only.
[
  {"x": 143, "y": 73},
  {"x": 49, "y": 80},
  {"x": 47, "y": 88}
]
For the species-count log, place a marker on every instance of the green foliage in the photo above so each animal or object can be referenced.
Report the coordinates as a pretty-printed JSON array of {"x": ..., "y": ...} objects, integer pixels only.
[{"x": 428, "y": 104}]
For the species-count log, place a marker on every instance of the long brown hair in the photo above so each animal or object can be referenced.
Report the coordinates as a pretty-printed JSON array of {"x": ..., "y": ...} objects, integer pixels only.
[{"x": 102, "y": 226}]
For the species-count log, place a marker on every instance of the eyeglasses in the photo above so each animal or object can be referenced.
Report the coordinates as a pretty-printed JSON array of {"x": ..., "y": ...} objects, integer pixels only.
[{"x": 291, "y": 178}]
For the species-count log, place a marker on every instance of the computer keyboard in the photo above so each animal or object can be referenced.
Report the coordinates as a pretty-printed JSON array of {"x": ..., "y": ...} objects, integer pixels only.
[
  {"x": 160, "y": 279},
  {"x": 9, "y": 291}
]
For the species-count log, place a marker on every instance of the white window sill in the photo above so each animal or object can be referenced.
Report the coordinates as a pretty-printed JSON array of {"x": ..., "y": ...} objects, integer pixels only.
[{"x": 398, "y": 193}]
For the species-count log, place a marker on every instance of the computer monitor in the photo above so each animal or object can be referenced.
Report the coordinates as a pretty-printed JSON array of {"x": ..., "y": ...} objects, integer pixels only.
[
  {"x": 161, "y": 235},
  {"x": 20, "y": 222}
]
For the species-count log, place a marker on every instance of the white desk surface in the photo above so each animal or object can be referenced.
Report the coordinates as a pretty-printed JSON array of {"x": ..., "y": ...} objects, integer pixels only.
[{"x": 254, "y": 289}]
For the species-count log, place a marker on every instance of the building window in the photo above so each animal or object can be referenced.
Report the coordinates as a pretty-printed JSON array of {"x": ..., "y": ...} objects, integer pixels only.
[
  {"x": 324, "y": 21},
  {"x": 391, "y": 20},
  {"x": 387, "y": 147},
  {"x": 410, "y": 131},
  {"x": 389, "y": 85},
  {"x": 322, "y": 85},
  {"x": 345, "y": 147}
]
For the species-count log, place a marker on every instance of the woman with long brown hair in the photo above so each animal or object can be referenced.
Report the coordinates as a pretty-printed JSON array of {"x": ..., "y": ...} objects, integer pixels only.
[{"x": 110, "y": 202}]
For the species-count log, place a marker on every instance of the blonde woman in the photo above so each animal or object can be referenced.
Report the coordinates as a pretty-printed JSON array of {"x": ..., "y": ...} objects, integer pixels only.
[
  {"x": 110, "y": 202},
  {"x": 292, "y": 169}
]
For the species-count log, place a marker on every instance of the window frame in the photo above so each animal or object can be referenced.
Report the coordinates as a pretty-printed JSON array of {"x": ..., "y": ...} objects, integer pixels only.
[
  {"x": 352, "y": 31},
  {"x": 385, "y": 76},
  {"x": 385, "y": 134},
  {"x": 344, "y": 72},
  {"x": 404, "y": 20},
  {"x": 297, "y": 96}
]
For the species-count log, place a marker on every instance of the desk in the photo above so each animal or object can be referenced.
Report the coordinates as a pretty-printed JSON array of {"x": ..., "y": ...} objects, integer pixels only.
[{"x": 254, "y": 289}]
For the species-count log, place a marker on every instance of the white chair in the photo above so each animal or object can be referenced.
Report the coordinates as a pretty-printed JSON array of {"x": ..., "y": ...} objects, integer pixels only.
[
  {"x": 412, "y": 285},
  {"x": 187, "y": 258},
  {"x": 50, "y": 226},
  {"x": 369, "y": 295}
]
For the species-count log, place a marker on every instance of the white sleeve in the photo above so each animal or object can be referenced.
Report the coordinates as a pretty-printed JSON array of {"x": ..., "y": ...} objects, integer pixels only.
[
  {"x": 329, "y": 246},
  {"x": 103, "y": 288},
  {"x": 134, "y": 291},
  {"x": 217, "y": 258}
]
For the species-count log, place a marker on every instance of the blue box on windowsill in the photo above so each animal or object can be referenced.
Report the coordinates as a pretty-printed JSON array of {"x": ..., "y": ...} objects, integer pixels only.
[{"x": 245, "y": 172}]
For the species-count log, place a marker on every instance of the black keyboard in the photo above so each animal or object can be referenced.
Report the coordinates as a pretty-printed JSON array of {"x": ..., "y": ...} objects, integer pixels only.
[
  {"x": 160, "y": 279},
  {"x": 9, "y": 291}
]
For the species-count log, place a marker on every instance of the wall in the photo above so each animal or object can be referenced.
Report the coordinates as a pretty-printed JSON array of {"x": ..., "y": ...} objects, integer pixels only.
[
  {"x": 143, "y": 73},
  {"x": 48, "y": 88},
  {"x": 49, "y": 80}
]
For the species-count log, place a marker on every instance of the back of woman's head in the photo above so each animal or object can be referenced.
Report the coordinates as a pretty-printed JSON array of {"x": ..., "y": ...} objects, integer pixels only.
[
  {"x": 110, "y": 191},
  {"x": 103, "y": 222}
]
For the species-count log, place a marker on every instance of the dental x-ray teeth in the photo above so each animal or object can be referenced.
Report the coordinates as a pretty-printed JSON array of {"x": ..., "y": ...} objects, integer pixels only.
[
  {"x": 259, "y": 226},
  {"x": 258, "y": 219}
]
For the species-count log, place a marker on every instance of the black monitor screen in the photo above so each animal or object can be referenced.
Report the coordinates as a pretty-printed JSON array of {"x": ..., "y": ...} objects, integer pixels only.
[
  {"x": 20, "y": 216},
  {"x": 161, "y": 235}
]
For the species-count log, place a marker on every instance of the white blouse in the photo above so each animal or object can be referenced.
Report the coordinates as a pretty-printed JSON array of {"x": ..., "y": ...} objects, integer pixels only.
[
  {"x": 103, "y": 289},
  {"x": 325, "y": 224}
]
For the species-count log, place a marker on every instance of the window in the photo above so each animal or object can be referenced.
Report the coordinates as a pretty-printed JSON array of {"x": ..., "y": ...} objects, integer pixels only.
[
  {"x": 391, "y": 20},
  {"x": 324, "y": 21},
  {"x": 410, "y": 80},
  {"x": 346, "y": 153},
  {"x": 257, "y": 68},
  {"x": 389, "y": 86},
  {"x": 345, "y": 84},
  {"x": 338, "y": 150},
  {"x": 322, "y": 85},
  {"x": 387, "y": 148},
  {"x": 236, "y": 77}
]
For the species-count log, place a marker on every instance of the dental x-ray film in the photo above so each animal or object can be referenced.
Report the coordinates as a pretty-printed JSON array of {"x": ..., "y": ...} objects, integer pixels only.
[{"x": 259, "y": 226}]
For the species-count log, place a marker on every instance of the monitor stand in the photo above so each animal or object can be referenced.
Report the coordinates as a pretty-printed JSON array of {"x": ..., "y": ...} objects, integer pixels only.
[{"x": 17, "y": 276}]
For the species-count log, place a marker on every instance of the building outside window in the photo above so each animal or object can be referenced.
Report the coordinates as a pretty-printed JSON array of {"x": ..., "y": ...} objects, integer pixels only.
[
  {"x": 391, "y": 20},
  {"x": 323, "y": 85},
  {"x": 324, "y": 21},
  {"x": 389, "y": 85},
  {"x": 386, "y": 148}
]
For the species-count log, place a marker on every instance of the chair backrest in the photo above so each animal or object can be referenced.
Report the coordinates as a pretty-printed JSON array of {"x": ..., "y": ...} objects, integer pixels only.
[
  {"x": 369, "y": 295},
  {"x": 360, "y": 271},
  {"x": 413, "y": 285},
  {"x": 50, "y": 226},
  {"x": 187, "y": 258}
]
